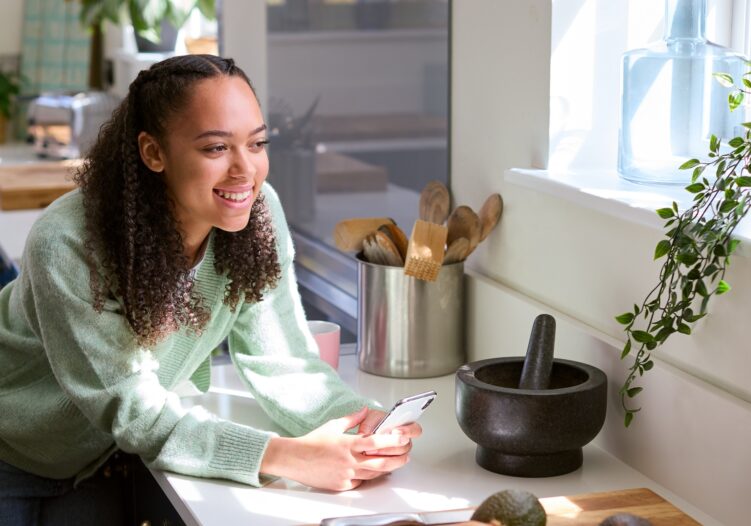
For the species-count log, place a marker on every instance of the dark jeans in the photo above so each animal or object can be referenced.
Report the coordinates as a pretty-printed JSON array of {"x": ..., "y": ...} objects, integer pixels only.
[{"x": 30, "y": 500}]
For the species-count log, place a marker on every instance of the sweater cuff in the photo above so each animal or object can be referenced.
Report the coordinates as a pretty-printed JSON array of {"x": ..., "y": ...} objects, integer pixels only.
[{"x": 238, "y": 453}]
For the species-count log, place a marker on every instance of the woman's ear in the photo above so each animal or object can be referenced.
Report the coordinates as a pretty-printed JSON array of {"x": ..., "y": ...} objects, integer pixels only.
[{"x": 152, "y": 154}]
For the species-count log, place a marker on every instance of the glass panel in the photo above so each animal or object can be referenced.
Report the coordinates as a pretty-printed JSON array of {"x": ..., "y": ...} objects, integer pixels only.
[{"x": 358, "y": 108}]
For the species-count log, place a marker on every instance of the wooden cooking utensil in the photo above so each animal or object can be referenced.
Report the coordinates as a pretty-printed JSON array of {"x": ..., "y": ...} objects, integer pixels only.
[
  {"x": 435, "y": 202},
  {"x": 388, "y": 250},
  {"x": 425, "y": 251},
  {"x": 490, "y": 214},
  {"x": 349, "y": 233},
  {"x": 397, "y": 236},
  {"x": 457, "y": 251},
  {"x": 371, "y": 251},
  {"x": 463, "y": 222}
]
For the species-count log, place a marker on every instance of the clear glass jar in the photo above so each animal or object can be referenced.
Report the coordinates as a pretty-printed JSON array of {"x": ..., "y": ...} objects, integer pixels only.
[{"x": 671, "y": 104}]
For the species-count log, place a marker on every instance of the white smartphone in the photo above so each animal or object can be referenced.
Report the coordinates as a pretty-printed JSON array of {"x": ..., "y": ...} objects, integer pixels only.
[{"x": 405, "y": 411}]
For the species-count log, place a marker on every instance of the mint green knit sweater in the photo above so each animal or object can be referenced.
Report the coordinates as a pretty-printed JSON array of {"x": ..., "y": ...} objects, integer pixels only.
[{"x": 74, "y": 386}]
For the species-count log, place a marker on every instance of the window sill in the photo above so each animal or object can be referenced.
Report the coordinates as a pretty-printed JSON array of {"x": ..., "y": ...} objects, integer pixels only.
[{"x": 604, "y": 191}]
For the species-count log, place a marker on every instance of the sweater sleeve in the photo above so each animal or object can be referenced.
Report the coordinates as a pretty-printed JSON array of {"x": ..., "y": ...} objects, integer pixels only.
[
  {"x": 277, "y": 357},
  {"x": 113, "y": 383}
]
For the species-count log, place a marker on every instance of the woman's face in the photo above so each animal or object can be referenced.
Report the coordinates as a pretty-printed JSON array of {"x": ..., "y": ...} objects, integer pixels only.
[{"x": 214, "y": 160}]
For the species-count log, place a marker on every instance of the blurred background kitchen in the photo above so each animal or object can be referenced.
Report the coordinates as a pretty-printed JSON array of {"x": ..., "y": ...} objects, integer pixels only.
[{"x": 355, "y": 93}]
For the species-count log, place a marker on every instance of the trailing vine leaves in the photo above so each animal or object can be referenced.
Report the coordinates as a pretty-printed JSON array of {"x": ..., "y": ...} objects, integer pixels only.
[{"x": 696, "y": 250}]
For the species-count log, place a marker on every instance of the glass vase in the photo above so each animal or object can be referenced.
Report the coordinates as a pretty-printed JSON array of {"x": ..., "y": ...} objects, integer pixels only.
[{"x": 671, "y": 104}]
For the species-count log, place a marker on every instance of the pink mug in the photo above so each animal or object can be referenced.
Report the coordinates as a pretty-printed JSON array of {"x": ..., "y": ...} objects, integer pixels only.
[{"x": 326, "y": 334}]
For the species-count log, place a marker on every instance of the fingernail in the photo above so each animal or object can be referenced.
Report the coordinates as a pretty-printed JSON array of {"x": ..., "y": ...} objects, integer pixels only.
[{"x": 403, "y": 440}]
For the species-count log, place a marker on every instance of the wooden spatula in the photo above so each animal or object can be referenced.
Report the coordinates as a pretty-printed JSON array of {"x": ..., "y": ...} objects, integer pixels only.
[
  {"x": 425, "y": 251},
  {"x": 349, "y": 233},
  {"x": 397, "y": 236}
]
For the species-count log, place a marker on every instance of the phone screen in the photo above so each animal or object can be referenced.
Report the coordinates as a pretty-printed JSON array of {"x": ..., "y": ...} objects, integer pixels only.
[{"x": 405, "y": 411}]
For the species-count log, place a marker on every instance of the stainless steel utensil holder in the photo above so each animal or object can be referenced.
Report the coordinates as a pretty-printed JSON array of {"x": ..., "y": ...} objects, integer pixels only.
[{"x": 406, "y": 327}]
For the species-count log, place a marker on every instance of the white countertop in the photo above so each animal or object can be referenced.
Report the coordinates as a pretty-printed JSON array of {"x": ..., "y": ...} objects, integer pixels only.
[{"x": 441, "y": 474}]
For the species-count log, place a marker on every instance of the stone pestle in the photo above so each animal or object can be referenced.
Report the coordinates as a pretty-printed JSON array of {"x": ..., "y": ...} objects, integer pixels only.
[{"x": 538, "y": 362}]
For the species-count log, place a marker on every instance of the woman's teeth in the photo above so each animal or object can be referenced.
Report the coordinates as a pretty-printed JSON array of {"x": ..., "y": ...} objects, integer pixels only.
[{"x": 232, "y": 196}]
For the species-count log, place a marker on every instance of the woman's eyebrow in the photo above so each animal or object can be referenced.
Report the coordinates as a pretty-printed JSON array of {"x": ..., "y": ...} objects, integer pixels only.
[{"x": 223, "y": 133}]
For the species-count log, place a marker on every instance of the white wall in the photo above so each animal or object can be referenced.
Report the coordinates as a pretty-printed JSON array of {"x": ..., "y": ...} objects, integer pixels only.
[{"x": 549, "y": 255}]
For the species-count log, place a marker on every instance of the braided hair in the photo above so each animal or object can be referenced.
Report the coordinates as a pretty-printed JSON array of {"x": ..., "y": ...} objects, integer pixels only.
[{"x": 133, "y": 246}]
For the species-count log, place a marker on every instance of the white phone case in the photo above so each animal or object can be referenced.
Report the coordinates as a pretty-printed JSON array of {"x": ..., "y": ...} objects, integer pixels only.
[{"x": 405, "y": 411}]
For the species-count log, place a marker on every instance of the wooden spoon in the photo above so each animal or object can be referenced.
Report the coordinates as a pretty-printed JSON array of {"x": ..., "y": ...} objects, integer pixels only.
[
  {"x": 397, "y": 236},
  {"x": 490, "y": 214},
  {"x": 457, "y": 251},
  {"x": 463, "y": 222},
  {"x": 435, "y": 202}
]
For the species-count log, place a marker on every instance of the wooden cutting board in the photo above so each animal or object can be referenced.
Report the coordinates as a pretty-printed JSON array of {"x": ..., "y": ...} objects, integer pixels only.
[
  {"x": 35, "y": 185},
  {"x": 591, "y": 508}
]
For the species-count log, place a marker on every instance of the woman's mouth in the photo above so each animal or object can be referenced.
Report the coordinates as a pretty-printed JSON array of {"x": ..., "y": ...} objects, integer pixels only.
[{"x": 235, "y": 197}]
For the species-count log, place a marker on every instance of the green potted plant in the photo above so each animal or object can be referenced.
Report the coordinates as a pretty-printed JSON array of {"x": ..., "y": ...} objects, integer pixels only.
[
  {"x": 10, "y": 86},
  {"x": 696, "y": 250},
  {"x": 149, "y": 18}
]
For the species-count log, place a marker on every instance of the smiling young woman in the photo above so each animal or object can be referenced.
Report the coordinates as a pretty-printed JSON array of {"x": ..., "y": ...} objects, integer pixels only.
[{"x": 172, "y": 245}]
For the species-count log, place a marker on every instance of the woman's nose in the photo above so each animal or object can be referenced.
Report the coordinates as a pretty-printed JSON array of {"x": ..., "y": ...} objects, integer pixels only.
[{"x": 242, "y": 163}]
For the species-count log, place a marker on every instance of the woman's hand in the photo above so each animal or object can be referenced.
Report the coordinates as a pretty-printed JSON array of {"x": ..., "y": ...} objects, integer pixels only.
[
  {"x": 410, "y": 431},
  {"x": 328, "y": 458}
]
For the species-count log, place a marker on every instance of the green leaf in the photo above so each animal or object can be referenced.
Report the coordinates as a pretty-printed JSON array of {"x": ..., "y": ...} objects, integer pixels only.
[
  {"x": 665, "y": 213},
  {"x": 695, "y": 187},
  {"x": 735, "y": 99},
  {"x": 642, "y": 336},
  {"x": 724, "y": 79},
  {"x": 714, "y": 143},
  {"x": 634, "y": 391},
  {"x": 727, "y": 206},
  {"x": 648, "y": 365},
  {"x": 736, "y": 141},
  {"x": 733, "y": 245},
  {"x": 689, "y": 164},
  {"x": 652, "y": 345},
  {"x": 628, "y": 418},
  {"x": 697, "y": 172},
  {"x": 743, "y": 181},
  {"x": 625, "y": 318},
  {"x": 747, "y": 82},
  {"x": 701, "y": 289},
  {"x": 746, "y": 125},
  {"x": 662, "y": 248},
  {"x": 696, "y": 317},
  {"x": 626, "y": 349},
  {"x": 684, "y": 329},
  {"x": 722, "y": 287}
]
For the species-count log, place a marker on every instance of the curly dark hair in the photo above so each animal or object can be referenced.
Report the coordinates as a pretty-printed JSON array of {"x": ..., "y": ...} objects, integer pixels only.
[{"x": 133, "y": 244}]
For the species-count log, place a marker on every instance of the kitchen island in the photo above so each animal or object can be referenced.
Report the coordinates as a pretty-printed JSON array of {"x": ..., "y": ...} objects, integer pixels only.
[{"x": 442, "y": 473}]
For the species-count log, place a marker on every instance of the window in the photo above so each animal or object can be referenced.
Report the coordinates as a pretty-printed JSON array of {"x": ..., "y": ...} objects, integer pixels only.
[{"x": 358, "y": 109}]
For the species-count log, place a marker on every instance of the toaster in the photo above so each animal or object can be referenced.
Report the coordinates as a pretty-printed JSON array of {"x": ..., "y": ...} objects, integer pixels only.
[{"x": 65, "y": 125}]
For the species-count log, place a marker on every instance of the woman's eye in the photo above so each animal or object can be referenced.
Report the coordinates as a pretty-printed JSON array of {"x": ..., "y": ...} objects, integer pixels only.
[
  {"x": 258, "y": 146},
  {"x": 216, "y": 148}
]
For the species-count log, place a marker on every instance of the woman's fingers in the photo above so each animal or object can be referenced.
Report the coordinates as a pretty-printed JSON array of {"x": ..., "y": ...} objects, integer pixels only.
[
  {"x": 412, "y": 430},
  {"x": 391, "y": 451},
  {"x": 382, "y": 463},
  {"x": 379, "y": 441}
]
